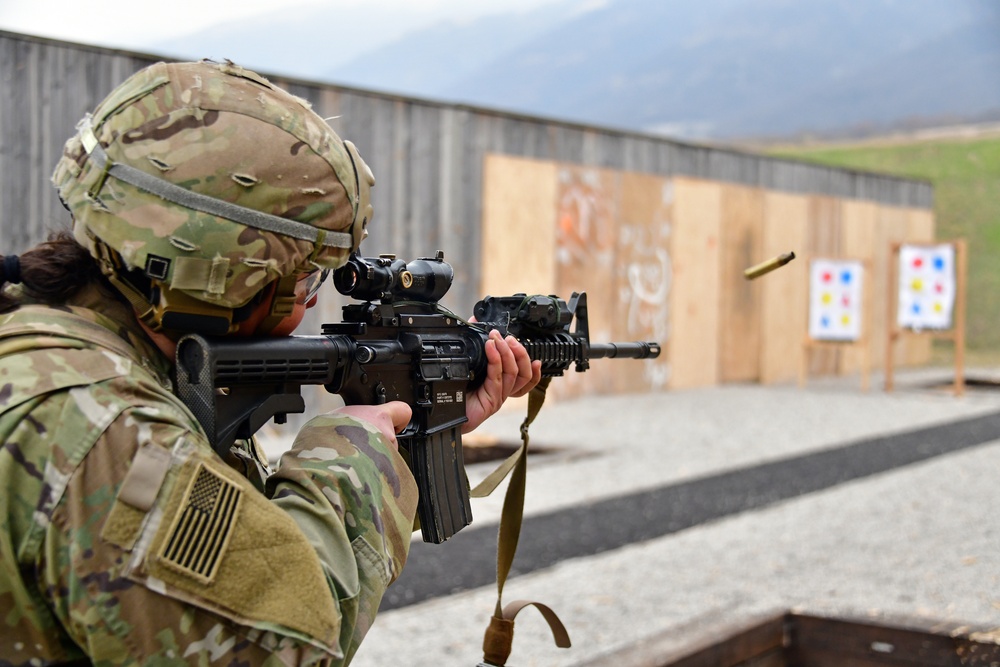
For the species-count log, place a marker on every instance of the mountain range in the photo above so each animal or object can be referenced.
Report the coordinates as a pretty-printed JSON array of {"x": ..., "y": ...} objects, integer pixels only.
[{"x": 714, "y": 69}]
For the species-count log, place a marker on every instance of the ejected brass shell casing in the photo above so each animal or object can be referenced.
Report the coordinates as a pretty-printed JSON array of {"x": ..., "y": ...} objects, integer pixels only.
[{"x": 768, "y": 266}]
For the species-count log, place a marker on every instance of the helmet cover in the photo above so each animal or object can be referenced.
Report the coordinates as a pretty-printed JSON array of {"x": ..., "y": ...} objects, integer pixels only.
[{"x": 208, "y": 183}]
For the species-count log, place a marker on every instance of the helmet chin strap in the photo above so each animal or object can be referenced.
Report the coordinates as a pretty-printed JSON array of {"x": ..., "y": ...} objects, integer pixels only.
[
  {"x": 192, "y": 315},
  {"x": 111, "y": 266},
  {"x": 172, "y": 311},
  {"x": 282, "y": 304}
]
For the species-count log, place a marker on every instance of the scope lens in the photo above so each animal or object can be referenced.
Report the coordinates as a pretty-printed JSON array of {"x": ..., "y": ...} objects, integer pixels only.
[{"x": 346, "y": 279}]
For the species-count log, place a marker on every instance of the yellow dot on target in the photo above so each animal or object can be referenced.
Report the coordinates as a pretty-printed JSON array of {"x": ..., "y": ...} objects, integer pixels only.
[
  {"x": 845, "y": 320},
  {"x": 917, "y": 284},
  {"x": 827, "y": 298},
  {"x": 938, "y": 307}
]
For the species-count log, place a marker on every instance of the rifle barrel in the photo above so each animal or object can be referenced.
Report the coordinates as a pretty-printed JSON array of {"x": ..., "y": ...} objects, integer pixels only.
[{"x": 634, "y": 350}]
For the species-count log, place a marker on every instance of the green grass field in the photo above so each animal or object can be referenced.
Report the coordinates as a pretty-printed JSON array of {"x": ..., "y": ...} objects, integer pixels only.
[{"x": 966, "y": 178}]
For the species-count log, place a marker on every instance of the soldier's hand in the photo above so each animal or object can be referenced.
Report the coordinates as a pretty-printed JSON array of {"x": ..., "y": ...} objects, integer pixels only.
[
  {"x": 389, "y": 418},
  {"x": 510, "y": 372}
]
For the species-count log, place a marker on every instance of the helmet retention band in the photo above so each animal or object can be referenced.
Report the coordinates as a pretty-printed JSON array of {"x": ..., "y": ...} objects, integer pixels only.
[{"x": 199, "y": 202}]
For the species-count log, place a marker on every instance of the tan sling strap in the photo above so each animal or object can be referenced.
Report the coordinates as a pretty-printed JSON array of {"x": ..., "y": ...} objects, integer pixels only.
[{"x": 499, "y": 637}]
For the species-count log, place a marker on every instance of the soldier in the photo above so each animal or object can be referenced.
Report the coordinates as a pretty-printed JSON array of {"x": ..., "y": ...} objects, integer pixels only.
[{"x": 204, "y": 199}]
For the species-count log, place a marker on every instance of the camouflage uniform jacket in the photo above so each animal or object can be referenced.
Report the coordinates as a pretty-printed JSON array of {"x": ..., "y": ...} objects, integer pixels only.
[{"x": 126, "y": 540}]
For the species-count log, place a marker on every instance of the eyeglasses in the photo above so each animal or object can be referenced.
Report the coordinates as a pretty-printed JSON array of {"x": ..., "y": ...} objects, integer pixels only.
[{"x": 313, "y": 282}]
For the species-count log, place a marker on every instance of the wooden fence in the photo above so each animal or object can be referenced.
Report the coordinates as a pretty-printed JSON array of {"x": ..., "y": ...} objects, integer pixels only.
[{"x": 437, "y": 163}]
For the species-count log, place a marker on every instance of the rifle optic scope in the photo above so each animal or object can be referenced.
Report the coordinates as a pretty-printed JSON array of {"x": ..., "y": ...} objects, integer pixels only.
[{"x": 386, "y": 278}]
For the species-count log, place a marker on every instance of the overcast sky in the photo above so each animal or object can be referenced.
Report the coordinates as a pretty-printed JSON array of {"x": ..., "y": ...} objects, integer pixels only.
[{"x": 131, "y": 24}]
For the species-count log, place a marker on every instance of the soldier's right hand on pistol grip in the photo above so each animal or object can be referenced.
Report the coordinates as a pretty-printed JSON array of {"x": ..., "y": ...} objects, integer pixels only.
[{"x": 389, "y": 418}]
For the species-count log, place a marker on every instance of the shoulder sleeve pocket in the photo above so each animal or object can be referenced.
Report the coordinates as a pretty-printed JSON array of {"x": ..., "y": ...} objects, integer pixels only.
[{"x": 223, "y": 546}]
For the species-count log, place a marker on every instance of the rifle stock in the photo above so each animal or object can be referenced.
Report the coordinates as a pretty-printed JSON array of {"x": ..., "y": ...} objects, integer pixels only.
[{"x": 398, "y": 344}]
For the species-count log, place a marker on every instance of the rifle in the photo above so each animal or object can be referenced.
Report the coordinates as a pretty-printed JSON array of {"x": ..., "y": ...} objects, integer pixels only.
[{"x": 398, "y": 343}]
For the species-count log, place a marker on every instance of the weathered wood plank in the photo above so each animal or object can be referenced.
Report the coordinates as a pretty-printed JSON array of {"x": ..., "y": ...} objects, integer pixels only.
[
  {"x": 694, "y": 309},
  {"x": 785, "y": 292},
  {"x": 740, "y": 312}
]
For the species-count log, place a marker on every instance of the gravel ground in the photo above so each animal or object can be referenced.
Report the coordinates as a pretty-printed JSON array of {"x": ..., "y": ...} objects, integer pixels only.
[{"x": 918, "y": 541}]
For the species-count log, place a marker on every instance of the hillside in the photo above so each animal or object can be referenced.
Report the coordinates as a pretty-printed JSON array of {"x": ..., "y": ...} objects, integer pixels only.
[
  {"x": 965, "y": 171},
  {"x": 717, "y": 69}
]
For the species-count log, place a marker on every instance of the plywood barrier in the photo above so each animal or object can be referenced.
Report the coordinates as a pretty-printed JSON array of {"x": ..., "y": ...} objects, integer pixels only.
[
  {"x": 558, "y": 229},
  {"x": 663, "y": 258},
  {"x": 784, "y": 293},
  {"x": 741, "y": 243},
  {"x": 588, "y": 210},
  {"x": 695, "y": 300},
  {"x": 644, "y": 277},
  {"x": 519, "y": 239}
]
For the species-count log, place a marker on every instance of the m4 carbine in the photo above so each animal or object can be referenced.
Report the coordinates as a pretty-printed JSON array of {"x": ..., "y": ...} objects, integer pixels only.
[{"x": 397, "y": 344}]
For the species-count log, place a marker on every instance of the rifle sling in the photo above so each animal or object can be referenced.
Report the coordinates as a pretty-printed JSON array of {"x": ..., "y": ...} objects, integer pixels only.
[{"x": 499, "y": 637}]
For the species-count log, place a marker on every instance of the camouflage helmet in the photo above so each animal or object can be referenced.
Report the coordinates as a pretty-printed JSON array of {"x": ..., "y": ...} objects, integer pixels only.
[{"x": 197, "y": 185}]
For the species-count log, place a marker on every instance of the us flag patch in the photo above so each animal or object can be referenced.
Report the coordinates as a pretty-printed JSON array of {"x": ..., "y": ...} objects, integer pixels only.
[{"x": 201, "y": 530}]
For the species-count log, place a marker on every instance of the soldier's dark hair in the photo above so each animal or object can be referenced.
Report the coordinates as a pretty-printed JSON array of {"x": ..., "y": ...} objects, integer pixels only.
[{"x": 53, "y": 271}]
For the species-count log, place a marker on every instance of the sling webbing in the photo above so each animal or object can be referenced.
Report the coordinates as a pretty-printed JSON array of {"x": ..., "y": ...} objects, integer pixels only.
[{"x": 499, "y": 638}]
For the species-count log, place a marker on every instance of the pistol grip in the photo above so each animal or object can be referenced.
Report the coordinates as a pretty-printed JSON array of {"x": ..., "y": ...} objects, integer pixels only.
[{"x": 437, "y": 465}]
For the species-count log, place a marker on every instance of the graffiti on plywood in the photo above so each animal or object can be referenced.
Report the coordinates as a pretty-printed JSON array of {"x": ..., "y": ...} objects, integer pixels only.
[
  {"x": 612, "y": 240},
  {"x": 587, "y": 210},
  {"x": 646, "y": 275}
]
